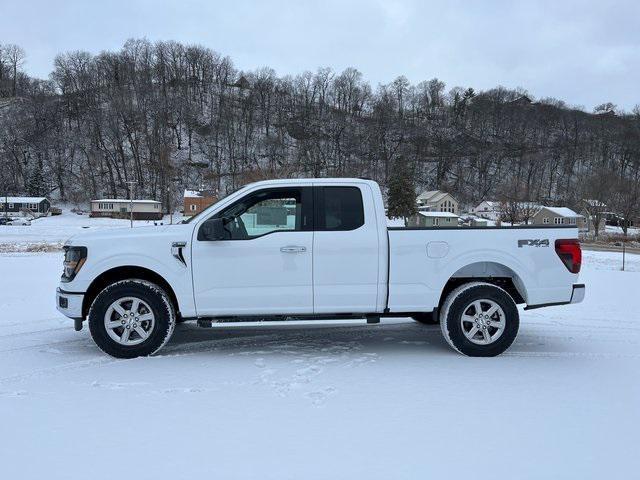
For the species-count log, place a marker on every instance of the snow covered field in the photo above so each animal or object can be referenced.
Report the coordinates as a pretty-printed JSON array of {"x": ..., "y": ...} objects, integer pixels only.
[
  {"x": 55, "y": 230},
  {"x": 322, "y": 401}
]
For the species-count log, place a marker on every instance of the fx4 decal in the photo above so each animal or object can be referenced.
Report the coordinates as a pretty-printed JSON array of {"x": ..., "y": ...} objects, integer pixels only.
[{"x": 537, "y": 242}]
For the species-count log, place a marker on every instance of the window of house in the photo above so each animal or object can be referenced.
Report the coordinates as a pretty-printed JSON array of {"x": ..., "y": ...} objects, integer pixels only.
[
  {"x": 338, "y": 208},
  {"x": 558, "y": 220},
  {"x": 193, "y": 207},
  {"x": 11, "y": 205},
  {"x": 436, "y": 221},
  {"x": 545, "y": 220}
]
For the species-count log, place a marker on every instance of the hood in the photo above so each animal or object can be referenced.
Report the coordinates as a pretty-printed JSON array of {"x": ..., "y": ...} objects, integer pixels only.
[{"x": 125, "y": 233}]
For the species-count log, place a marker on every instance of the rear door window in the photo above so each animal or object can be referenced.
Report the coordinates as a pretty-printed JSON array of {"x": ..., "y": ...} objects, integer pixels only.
[{"x": 338, "y": 208}]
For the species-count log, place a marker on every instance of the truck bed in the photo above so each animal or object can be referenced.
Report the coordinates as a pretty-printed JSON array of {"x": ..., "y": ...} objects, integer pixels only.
[{"x": 423, "y": 259}]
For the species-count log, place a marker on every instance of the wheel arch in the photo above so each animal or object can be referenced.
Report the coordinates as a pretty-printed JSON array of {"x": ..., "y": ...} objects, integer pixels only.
[
  {"x": 123, "y": 273},
  {"x": 491, "y": 272}
]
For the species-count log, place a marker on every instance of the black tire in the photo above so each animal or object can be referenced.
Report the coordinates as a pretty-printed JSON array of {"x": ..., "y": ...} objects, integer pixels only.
[
  {"x": 428, "y": 318},
  {"x": 160, "y": 305},
  {"x": 459, "y": 301}
]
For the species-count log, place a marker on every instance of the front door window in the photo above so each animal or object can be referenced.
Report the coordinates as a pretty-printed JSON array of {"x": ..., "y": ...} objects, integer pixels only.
[{"x": 265, "y": 212}]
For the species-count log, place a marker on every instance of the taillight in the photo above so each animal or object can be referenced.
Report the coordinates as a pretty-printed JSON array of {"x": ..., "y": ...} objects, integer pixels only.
[{"x": 570, "y": 253}]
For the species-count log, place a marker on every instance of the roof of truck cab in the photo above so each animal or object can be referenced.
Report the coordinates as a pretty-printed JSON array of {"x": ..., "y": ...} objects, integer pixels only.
[{"x": 290, "y": 181}]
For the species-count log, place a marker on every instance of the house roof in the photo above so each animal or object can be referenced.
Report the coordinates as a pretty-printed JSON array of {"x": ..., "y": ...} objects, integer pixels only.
[
  {"x": 438, "y": 214},
  {"x": 562, "y": 211},
  {"x": 432, "y": 196},
  {"x": 490, "y": 203},
  {"x": 22, "y": 199},
  {"x": 192, "y": 194},
  {"x": 123, "y": 200}
]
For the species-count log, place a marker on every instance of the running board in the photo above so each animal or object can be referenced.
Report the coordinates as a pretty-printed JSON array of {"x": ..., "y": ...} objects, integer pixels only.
[{"x": 207, "y": 322}]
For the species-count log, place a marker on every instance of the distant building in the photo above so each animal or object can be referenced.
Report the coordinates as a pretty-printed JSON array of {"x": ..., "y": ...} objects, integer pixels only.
[
  {"x": 196, "y": 201},
  {"x": 497, "y": 211},
  {"x": 242, "y": 83},
  {"x": 36, "y": 206},
  {"x": 437, "y": 201},
  {"x": 122, "y": 208},
  {"x": 559, "y": 216},
  {"x": 615, "y": 220},
  {"x": 488, "y": 209},
  {"x": 433, "y": 219},
  {"x": 523, "y": 100}
]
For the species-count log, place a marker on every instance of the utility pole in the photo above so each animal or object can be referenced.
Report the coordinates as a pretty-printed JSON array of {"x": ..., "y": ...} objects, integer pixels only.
[
  {"x": 169, "y": 203},
  {"x": 6, "y": 199},
  {"x": 624, "y": 242},
  {"x": 131, "y": 183}
]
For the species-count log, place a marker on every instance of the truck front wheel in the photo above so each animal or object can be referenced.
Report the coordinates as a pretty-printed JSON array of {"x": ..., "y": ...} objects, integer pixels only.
[
  {"x": 131, "y": 318},
  {"x": 479, "y": 319}
]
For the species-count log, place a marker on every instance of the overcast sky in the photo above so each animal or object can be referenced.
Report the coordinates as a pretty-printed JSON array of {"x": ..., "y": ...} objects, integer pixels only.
[{"x": 585, "y": 53}]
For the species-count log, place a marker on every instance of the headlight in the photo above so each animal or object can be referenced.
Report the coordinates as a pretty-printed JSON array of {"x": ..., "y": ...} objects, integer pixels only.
[{"x": 74, "y": 258}]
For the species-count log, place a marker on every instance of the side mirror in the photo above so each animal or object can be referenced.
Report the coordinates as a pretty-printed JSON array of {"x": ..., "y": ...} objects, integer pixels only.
[{"x": 213, "y": 229}]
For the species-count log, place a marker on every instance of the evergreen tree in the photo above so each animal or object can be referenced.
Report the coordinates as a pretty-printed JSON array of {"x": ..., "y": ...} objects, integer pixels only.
[
  {"x": 402, "y": 192},
  {"x": 37, "y": 184}
]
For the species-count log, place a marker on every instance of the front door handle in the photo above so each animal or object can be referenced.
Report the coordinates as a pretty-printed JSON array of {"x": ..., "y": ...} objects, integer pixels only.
[{"x": 293, "y": 249}]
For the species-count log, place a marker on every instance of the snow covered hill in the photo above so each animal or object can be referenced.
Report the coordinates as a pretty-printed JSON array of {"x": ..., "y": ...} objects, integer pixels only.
[{"x": 319, "y": 401}]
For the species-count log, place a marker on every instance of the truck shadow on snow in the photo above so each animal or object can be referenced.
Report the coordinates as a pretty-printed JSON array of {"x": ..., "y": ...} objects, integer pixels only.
[{"x": 320, "y": 338}]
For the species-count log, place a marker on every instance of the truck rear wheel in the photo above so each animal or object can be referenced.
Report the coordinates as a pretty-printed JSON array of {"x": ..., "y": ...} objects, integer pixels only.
[
  {"x": 479, "y": 319},
  {"x": 131, "y": 318}
]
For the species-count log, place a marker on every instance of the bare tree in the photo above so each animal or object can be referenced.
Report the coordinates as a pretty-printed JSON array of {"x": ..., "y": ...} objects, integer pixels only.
[
  {"x": 626, "y": 200},
  {"x": 597, "y": 192},
  {"x": 151, "y": 112},
  {"x": 15, "y": 57}
]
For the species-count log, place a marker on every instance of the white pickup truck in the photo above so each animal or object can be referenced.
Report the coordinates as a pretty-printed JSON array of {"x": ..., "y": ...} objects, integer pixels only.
[{"x": 313, "y": 249}]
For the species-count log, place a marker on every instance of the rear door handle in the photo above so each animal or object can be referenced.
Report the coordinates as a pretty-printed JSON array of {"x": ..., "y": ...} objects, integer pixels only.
[{"x": 293, "y": 249}]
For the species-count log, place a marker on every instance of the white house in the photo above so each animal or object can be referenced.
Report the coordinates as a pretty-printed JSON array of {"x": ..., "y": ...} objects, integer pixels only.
[
  {"x": 437, "y": 201},
  {"x": 122, "y": 208},
  {"x": 488, "y": 209}
]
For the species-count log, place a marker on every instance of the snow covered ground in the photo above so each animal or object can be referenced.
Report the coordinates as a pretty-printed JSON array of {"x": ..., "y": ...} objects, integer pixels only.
[
  {"x": 55, "y": 230},
  {"x": 322, "y": 401}
]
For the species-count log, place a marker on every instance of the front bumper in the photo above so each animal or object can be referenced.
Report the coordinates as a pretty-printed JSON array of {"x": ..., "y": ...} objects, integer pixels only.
[{"x": 69, "y": 303}]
